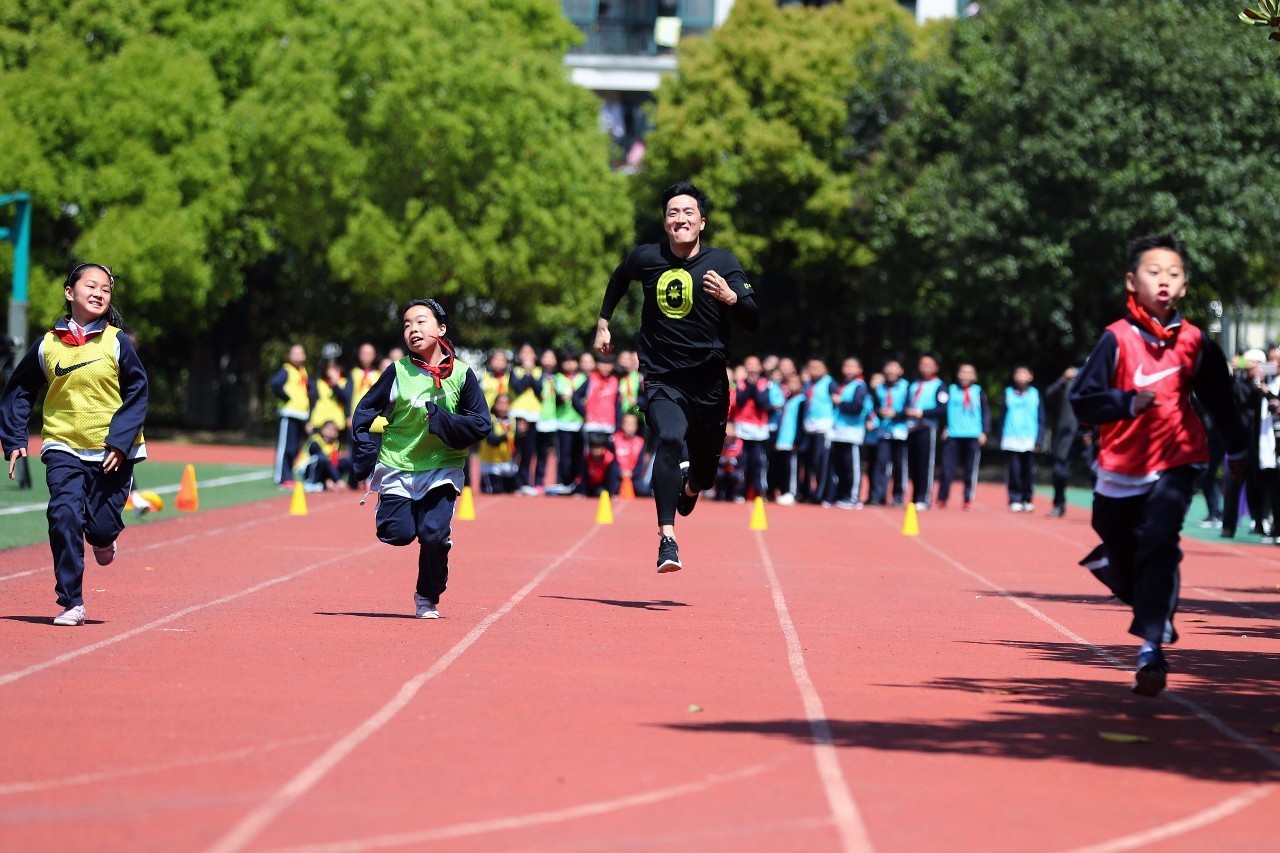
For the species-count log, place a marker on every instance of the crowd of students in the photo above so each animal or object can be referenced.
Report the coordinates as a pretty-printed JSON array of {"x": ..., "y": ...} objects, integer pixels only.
[{"x": 573, "y": 423}]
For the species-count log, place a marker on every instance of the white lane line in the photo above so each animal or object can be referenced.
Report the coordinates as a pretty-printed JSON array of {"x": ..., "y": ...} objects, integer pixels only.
[
  {"x": 178, "y": 540},
  {"x": 1205, "y": 715},
  {"x": 848, "y": 820},
  {"x": 514, "y": 822},
  {"x": 297, "y": 787},
  {"x": 1209, "y": 816},
  {"x": 147, "y": 769},
  {"x": 229, "y": 480},
  {"x": 9, "y": 678}
]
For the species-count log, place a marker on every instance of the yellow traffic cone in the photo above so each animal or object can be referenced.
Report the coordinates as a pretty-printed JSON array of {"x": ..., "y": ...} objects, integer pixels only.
[
  {"x": 188, "y": 500},
  {"x": 758, "y": 521},
  {"x": 911, "y": 524},
  {"x": 298, "y": 506},
  {"x": 604, "y": 515},
  {"x": 466, "y": 506}
]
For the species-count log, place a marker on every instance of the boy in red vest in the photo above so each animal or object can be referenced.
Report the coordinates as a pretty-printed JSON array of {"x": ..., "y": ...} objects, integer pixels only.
[{"x": 1136, "y": 387}]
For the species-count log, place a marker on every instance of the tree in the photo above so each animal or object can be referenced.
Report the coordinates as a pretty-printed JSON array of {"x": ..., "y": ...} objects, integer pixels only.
[
  {"x": 778, "y": 116},
  {"x": 1048, "y": 137}
]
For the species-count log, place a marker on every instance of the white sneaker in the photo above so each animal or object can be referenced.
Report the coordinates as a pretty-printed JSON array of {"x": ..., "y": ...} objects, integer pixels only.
[
  {"x": 922, "y": 505},
  {"x": 1015, "y": 507},
  {"x": 104, "y": 555},
  {"x": 527, "y": 490},
  {"x": 70, "y": 616},
  {"x": 424, "y": 609},
  {"x": 848, "y": 504},
  {"x": 786, "y": 500},
  {"x": 1028, "y": 507}
]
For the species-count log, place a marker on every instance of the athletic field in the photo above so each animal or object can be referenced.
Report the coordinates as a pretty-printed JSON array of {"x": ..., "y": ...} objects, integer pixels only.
[{"x": 250, "y": 679}]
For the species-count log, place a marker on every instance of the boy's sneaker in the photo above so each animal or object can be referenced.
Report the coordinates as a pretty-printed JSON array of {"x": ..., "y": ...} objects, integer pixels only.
[
  {"x": 70, "y": 616},
  {"x": 1028, "y": 507},
  {"x": 848, "y": 505},
  {"x": 923, "y": 506},
  {"x": 104, "y": 555},
  {"x": 424, "y": 609},
  {"x": 668, "y": 555},
  {"x": 939, "y": 504},
  {"x": 1015, "y": 507},
  {"x": 787, "y": 499},
  {"x": 686, "y": 502},
  {"x": 1058, "y": 512},
  {"x": 1150, "y": 679}
]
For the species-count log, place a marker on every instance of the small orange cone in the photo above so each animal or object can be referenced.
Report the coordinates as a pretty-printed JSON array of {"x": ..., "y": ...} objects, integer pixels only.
[
  {"x": 298, "y": 506},
  {"x": 188, "y": 500},
  {"x": 466, "y": 506},
  {"x": 628, "y": 491},
  {"x": 604, "y": 515},
  {"x": 758, "y": 521},
  {"x": 911, "y": 524}
]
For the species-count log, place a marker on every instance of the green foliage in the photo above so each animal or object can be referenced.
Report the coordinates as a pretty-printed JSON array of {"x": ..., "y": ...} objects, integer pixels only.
[
  {"x": 776, "y": 116},
  {"x": 1044, "y": 142}
]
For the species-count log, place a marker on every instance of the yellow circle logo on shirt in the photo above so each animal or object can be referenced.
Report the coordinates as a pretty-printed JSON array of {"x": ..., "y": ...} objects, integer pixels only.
[{"x": 675, "y": 293}]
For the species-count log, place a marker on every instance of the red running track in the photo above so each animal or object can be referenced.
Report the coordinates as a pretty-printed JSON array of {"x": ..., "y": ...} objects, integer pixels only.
[{"x": 249, "y": 680}]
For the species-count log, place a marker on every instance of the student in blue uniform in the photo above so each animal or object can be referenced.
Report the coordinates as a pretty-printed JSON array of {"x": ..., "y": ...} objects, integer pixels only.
[
  {"x": 968, "y": 422},
  {"x": 848, "y": 431},
  {"x": 926, "y": 417},
  {"x": 435, "y": 411},
  {"x": 93, "y": 412},
  {"x": 891, "y": 452},
  {"x": 1021, "y": 435}
]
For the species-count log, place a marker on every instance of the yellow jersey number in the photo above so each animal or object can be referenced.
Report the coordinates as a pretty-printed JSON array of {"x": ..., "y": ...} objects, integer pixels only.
[{"x": 675, "y": 293}]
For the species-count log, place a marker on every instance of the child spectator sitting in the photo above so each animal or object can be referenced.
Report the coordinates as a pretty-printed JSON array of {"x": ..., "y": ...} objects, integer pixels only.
[
  {"x": 628, "y": 446},
  {"x": 321, "y": 465},
  {"x": 498, "y": 474},
  {"x": 601, "y": 472},
  {"x": 729, "y": 476}
]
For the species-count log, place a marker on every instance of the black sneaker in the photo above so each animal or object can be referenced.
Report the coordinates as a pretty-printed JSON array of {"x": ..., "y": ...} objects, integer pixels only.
[
  {"x": 1150, "y": 679},
  {"x": 1058, "y": 512},
  {"x": 668, "y": 555},
  {"x": 686, "y": 502}
]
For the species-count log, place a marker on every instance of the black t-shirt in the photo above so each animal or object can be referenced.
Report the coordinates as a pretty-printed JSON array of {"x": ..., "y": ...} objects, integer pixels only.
[{"x": 681, "y": 327}]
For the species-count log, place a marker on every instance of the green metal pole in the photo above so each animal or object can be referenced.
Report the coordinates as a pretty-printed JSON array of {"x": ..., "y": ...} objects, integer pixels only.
[{"x": 20, "y": 235}]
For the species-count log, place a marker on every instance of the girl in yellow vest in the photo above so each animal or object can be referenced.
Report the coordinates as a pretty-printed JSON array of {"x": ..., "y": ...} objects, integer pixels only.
[
  {"x": 435, "y": 411},
  {"x": 93, "y": 413},
  {"x": 332, "y": 393},
  {"x": 293, "y": 386}
]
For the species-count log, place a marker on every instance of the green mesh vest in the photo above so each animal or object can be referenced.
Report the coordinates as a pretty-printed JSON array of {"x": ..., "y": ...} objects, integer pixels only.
[{"x": 406, "y": 444}]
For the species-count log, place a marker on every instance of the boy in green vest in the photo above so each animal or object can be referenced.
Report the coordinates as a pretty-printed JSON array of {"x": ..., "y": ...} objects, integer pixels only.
[{"x": 435, "y": 411}]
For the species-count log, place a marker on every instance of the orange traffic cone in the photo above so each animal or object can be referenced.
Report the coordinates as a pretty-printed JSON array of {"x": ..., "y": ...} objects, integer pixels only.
[
  {"x": 188, "y": 500},
  {"x": 628, "y": 491}
]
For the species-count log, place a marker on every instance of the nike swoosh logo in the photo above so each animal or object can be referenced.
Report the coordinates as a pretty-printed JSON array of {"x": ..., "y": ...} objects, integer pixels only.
[
  {"x": 59, "y": 370},
  {"x": 1142, "y": 380}
]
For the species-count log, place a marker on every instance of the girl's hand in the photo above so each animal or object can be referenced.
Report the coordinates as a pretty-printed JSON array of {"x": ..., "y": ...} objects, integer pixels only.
[
  {"x": 113, "y": 460},
  {"x": 20, "y": 453}
]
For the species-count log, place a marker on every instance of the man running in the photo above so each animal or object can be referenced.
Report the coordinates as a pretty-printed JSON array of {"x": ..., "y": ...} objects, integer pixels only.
[{"x": 690, "y": 293}]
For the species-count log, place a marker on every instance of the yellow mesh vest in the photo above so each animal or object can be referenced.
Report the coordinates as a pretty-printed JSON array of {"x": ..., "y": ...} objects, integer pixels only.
[{"x": 84, "y": 391}]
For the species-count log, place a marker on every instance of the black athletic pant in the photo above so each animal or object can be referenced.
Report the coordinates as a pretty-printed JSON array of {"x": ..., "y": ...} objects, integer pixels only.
[
  {"x": 891, "y": 466},
  {"x": 1020, "y": 476},
  {"x": 400, "y": 521},
  {"x": 844, "y": 478},
  {"x": 922, "y": 457},
  {"x": 959, "y": 453},
  {"x": 678, "y": 419},
  {"x": 1141, "y": 537}
]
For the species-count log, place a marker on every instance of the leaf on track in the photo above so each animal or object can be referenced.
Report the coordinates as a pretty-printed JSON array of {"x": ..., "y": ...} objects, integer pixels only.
[{"x": 1121, "y": 737}]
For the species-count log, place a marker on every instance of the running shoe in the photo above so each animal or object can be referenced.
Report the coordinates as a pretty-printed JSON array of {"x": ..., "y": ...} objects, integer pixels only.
[
  {"x": 1058, "y": 512},
  {"x": 105, "y": 554},
  {"x": 70, "y": 616},
  {"x": 424, "y": 609},
  {"x": 686, "y": 502},
  {"x": 1150, "y": 678},
  {"x": 787, "y": 499},
  {"x": 668, "y": 555},
  {"x": 1015, "y": 507}
]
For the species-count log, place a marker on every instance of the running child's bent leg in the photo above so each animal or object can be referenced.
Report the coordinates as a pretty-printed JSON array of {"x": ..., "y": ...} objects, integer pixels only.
[
  {"x": 1114, "y": 520},
  {"x": 104, "y": 502},
  {"x": 395, "y": 520},
  {"x": 434, "y": 515}
]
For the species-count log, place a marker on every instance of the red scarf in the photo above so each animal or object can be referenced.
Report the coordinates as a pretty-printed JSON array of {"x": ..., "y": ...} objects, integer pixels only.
[
  {"x": 440, "y": 371},
  {"x": 968, "y": 403},
  {"x": 1144, "y": 319}
]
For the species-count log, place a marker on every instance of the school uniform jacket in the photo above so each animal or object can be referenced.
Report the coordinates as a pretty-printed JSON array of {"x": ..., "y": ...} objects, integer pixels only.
[{"x": 96, "y": 398}]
